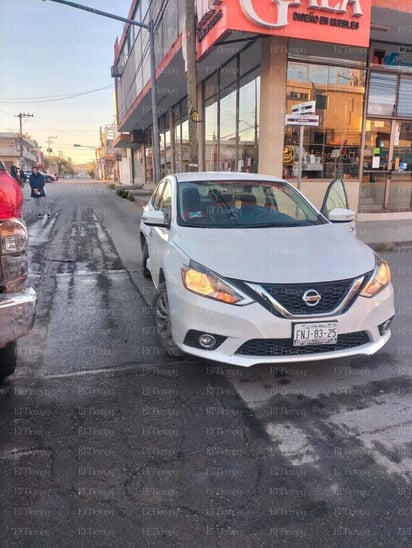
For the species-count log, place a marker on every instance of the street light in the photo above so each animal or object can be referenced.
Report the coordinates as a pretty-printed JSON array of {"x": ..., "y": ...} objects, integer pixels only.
[
  {"x": 150, "y": 28},
  {"x": 77, "y": 145}
]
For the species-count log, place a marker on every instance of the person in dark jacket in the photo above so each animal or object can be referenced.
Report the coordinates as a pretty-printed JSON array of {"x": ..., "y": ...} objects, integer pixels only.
[
  {"x": 14, "y": 172},
  {"x": 36, "y": 182}
]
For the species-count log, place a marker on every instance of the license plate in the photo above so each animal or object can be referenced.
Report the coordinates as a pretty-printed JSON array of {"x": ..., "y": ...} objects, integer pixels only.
[{"x": 315, "y": 333}]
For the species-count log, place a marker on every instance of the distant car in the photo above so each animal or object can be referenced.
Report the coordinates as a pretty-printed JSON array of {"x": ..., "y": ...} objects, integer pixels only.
[
  {"x": 27, "y": 173},
  {"x": 247, "y": 271},
  {"x": 48, "y": 176}
]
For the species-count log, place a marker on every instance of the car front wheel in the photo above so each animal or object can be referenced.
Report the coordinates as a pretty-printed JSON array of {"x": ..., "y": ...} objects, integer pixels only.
[
  {"x": 161, "y": 317},
  {"x": 8, "y": 359}
]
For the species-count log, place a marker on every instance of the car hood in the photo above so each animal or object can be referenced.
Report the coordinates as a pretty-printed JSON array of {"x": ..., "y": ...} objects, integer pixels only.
[{"x": 278, "y": 255}]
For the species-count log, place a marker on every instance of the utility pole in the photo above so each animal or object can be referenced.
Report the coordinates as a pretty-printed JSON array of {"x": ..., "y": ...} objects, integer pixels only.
[
  {"x": 149, "y": 26},
  {"x": 192, "y": 111},
  {"x": 49, "y": 148},
  {"x": 22, "y": 115}
]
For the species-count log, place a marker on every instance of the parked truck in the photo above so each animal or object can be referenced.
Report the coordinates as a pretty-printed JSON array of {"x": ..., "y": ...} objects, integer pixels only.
[{"x": 17, "y": 302}]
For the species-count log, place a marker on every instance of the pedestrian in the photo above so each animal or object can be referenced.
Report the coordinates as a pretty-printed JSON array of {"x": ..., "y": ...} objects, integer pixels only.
[{"x": 36, "y": 182}]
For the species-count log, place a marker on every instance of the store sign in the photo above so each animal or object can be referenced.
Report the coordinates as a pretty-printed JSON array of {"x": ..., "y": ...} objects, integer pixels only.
[
  {"x": 308, "y": 107},
  {"x": 343, "y": 22},
  {"x": 282, "y": 10},
  {"x": 397, "y": 56},
  {"x": 301, "y": 120}
]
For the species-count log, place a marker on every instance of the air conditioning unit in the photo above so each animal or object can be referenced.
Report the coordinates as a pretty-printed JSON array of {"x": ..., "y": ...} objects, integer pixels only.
[{"x": 116, "y": 71}]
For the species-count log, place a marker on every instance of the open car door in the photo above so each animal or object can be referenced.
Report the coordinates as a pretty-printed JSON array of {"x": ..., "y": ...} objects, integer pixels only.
[{"x": 335, "y": 206}]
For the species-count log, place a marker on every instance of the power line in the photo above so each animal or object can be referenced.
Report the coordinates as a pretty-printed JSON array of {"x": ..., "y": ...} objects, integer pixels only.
[{"x": 45, "y": 99}]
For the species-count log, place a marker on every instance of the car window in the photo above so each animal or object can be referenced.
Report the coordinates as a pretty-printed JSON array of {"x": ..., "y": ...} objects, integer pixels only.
[
  {"x": 245, "y": 204},
  {"x": 157, "y": 195},
  {"x": 335, "y": 196},
  {"x": 165, "y": 202}
]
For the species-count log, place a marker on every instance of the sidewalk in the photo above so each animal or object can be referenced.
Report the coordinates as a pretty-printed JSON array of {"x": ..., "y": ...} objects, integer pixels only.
[{"x": 388, "y": 230}]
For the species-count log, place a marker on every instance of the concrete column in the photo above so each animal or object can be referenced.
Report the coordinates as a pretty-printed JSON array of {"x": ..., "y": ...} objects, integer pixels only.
[
  {"x": 172, "y": 141},
  {"x": 201, "y": 128},
  {"x": 272, "y": 104}
]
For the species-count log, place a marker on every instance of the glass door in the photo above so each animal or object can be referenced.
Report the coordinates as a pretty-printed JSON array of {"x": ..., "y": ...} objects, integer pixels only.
[
  {"x": 387, "y": 166},
  {"x": 376, "y": 165},
  {"x": 400, "y": 192}
]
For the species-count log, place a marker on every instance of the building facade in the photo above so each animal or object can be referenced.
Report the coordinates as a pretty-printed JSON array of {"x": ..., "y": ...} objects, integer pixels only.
[
  {"x": 257, "y": 63},
  {"x": 19, "y": 151}
]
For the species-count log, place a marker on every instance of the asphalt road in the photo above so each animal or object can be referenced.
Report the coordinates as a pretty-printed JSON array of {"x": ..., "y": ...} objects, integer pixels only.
[{"x": 105, "y": 442}]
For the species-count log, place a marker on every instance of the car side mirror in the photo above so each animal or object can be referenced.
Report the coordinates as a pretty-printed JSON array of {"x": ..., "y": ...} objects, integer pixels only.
[
  {"x": 155, "y": 218},
  {"x": 341, "y": 215}
]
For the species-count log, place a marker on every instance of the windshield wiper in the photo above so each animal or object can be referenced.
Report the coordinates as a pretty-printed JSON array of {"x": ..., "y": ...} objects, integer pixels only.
[{"x": 217, "y": 196}]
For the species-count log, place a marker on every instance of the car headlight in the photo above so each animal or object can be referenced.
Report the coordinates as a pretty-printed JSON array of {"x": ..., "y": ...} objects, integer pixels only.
[
  {"x": 207, "y": 284},
  {"x": 380, "y": 278},
  {"x": 13, "y": 236}
]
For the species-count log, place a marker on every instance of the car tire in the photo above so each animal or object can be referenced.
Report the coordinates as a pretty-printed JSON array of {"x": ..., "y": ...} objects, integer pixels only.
[
  {"x": 8, "y": 360},
  {"x": 161, "y": 319},
  {"x": 145, "y": 270}
]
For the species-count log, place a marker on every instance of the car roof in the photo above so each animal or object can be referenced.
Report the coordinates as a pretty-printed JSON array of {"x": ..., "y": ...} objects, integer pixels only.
[{"x": 194, "y": 176}]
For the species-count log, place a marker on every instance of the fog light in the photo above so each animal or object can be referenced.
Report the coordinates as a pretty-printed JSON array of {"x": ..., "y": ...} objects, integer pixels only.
[
  {"x": 207, "y": 341},
  {"x": 384, "y": 327}
]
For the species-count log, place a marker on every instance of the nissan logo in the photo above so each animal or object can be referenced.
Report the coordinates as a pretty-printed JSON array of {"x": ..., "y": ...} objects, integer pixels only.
[{"x": 311, "y": 297}]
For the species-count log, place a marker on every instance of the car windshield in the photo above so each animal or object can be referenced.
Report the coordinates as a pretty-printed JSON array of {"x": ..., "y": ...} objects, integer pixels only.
[{"x": 244, "y": 204}]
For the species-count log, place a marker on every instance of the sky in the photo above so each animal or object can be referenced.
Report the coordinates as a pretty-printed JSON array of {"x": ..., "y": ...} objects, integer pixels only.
[{"x": 55, "y": 64}]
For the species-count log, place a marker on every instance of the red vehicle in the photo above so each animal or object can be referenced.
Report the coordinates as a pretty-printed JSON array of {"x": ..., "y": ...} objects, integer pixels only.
[{"x": 17, "y": 302}]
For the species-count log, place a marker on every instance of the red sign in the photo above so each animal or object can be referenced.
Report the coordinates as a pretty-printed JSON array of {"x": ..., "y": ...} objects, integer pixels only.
[{"x": 335, "y": 21}]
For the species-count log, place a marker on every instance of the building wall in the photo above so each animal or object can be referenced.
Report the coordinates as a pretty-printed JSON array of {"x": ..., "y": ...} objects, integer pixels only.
[
  {"x": 272, "y": 105},
  {"x": 10, "y": 150},
  {"x": 238, "y": 133}
]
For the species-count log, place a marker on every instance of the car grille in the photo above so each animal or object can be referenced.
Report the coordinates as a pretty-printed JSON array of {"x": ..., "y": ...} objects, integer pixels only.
[
  {"x": 284, "y": 347},
  {"x": 290, "y": 296}
]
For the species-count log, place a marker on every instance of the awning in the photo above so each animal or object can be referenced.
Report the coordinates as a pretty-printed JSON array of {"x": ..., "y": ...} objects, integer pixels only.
[{"x": 128, "y": 140}]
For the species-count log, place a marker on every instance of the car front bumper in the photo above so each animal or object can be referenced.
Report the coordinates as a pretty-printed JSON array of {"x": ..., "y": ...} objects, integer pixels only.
[
  {"x": 17, "y": 314},
  {"x": 254, "y": 328}
]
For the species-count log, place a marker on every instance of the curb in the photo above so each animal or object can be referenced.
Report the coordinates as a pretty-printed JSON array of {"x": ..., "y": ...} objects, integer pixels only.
[{"x": 389, "y": 246}]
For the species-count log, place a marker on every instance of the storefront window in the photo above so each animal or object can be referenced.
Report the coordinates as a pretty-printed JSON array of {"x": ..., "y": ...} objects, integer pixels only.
[
  {"x": 168, "y": 151},
  {"x": 185, "y": 145},
  {"x": 228, "y": 138},
  {"x": 162, "y": 144},
  {"x": 211, "y": 86},
  {"x": 405, "y": 97},
  {"x": 232, "y": 98},
  {"x": 228, "y": 74},
  {"x": 375, "y": 163},
  {"x": 249, "y": 100},
  {"x": 149, "y": 162},
  {"x": 400, "y": 196},
  {"x": 211, "y": 136},
  {"x": 178, "y": 137},
  {"x": 382, "y": 94},
  {"x": 332, "y": 148}
]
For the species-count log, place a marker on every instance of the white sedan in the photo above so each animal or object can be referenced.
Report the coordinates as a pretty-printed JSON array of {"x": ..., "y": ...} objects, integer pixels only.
[{"x": 247, "y": 271}]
